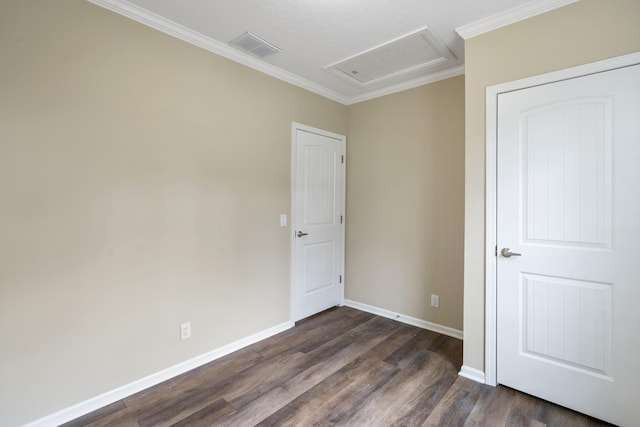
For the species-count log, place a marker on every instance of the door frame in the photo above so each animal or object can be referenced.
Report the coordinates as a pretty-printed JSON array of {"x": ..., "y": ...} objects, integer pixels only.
[
  {"x": 294, "y": 156},
  {"x": 491, "y": 181}
]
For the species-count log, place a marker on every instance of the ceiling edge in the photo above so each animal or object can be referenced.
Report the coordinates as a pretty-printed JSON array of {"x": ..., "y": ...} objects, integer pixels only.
[
  {"x": 157, "y": 22},
  {"x": 510, "y": 16},
  {"x": 150, "y": 19},
  {"x": 420, "y": 81}
]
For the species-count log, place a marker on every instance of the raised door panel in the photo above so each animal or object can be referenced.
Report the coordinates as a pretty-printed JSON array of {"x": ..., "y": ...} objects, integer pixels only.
[
  {"x": 319, "y": 185},
  {"x": 567, "y": 169}
]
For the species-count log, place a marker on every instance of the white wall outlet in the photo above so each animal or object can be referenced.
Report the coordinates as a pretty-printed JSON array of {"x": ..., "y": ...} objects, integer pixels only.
[
  {"x": 283, "y": 220},
  {"x": 435, "y": 301},
  {"x": 185, "y": 330}
]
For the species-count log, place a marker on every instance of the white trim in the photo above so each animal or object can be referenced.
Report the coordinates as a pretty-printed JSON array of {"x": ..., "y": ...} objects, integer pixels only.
[
  {"x": 510, "y": 16},
  {"x": 492, "y": 93},
  {"x": 444, "y": 330},
  {"x": 119, "y": 393},
  {"x": 150, "y": 19},
  {"x": 294, "y": 155},
  {"x": 421, "y": 81},
  {"x": 155, "y": 21},
  {"x": 343, "y": 211},
  {"x": 490, "y": 240},
  {"x": 472, "y": 374}
]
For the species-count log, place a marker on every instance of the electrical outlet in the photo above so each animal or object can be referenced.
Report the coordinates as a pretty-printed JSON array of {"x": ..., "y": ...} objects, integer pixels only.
[
  {"x": 435, "y": 301},
  {"x": 185, "y": 330}
]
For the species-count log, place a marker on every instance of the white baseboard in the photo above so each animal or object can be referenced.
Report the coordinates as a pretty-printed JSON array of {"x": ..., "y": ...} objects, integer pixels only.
[
  {"x": 119, "y": 393},
  {"x": 444, "y": 330},
  {"x": 472, "y": 374}
]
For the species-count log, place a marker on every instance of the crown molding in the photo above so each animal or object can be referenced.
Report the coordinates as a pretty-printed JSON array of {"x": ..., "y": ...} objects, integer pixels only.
[
  {"x": 510, "y": 16},
  {"x": 150, "y": 19},
  {"x": 421, "y": 81},
  {"x": 167, "y": 26}
]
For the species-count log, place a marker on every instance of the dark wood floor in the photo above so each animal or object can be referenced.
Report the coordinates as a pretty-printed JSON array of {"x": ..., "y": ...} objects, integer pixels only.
[{"x": 341, "y": 367}]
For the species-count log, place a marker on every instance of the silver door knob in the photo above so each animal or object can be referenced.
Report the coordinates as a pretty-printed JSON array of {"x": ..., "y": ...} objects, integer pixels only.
[
  {"x": 506, "y": 252},
  {"x": 300, "y": 234}
]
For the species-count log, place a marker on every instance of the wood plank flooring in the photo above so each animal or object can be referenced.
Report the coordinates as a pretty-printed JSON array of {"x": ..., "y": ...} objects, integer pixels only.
[{"x": 342, "y": 367}]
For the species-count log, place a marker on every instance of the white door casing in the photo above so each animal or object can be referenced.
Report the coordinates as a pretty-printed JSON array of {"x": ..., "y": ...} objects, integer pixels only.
[
  {"x": 317, "y": 223},
  {"x": 567, "y": 199}
]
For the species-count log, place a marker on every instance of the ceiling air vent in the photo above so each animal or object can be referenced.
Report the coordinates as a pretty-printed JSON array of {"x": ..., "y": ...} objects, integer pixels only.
[
  {"x": 254, "y": 45},
  {"x": 418, "y": 51}
]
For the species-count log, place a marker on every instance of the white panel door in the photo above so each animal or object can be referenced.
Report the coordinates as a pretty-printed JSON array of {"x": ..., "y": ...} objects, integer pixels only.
[
  {"x": 568, "y": 201},
  {"x": 318, "y": 226}
]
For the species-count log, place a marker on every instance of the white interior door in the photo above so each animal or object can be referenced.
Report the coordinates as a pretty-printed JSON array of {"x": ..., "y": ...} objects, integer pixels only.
[
  {"x": 568, "y": 201},
  {"x": 318, "y": 220}
]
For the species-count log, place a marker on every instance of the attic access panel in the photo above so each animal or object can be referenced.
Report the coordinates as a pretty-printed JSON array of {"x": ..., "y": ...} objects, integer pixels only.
[{"x": 418, "y": 51}]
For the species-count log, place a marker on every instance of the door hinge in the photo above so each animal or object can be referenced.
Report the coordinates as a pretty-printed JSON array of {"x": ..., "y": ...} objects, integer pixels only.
[
  {"x": 340, "y": 219},
  {"x": 341, "y": 278},
  {"x": 343, "y": 159},
  {"x": 496, "y": 254}
]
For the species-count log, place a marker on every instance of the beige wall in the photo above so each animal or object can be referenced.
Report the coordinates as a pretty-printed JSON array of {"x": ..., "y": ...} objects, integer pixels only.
[
  {"x": 405, "y": 202},
  {"x": 141, "y": 182},
  {"x": 580, "y": 33}
]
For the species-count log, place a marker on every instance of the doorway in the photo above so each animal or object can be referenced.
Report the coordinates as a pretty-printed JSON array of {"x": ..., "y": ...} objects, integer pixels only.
[
  {"x": 318, "y": 222},
  {"x": 562, "y": 211}
]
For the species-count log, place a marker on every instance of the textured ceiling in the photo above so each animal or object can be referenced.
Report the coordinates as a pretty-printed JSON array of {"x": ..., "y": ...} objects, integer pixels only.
[{"x": 314, "y": 34}]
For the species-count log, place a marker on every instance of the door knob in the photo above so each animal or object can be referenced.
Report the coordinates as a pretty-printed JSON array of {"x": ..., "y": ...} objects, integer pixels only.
[
  {"x": 300, "y": 234},
  {"x": 506, "y": 252}
]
